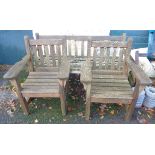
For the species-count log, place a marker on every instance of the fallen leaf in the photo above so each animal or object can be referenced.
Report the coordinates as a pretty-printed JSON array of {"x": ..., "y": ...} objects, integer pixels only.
[
  {"x": 148, "y": 116},
  {"x": 139, "y": 113},
  {"x": 112, "y": 112},
  {"x": 101, "y": 117},
  {"x": 80, "y": 114},
  {"x": 36, "y": 121},
  {"x": 142, "y": 120},
  {"x": 50, "y": 108},
  {"x": 101, "y": 112},
  {"x": 64, "y": 119}
]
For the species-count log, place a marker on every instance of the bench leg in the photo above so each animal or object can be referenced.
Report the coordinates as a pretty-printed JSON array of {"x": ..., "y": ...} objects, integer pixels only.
[
  {"x": 62, "y": 97},
  {"x": 21, "y": 99},
  {"x": 87, "y": 115},
  {"x": 129, "y": 111},
  {"x": 88, "y": 101}
]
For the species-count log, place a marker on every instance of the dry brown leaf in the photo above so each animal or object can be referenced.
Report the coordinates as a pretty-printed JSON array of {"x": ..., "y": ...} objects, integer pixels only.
[
  {"x": 80, "y": 114},
  {"x": 112, "y": 112}
]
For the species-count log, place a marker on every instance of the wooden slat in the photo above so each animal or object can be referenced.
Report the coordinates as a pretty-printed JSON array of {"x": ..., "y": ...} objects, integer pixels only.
[
  {"x": 110, "y": 80},
  {"x": 58, "y": 49},
  {"x": 108, "y": 44},
  {"x": 110, "y": 84},
  {"x": 43, "y": 77},
  {"x": 76, "y": 48},
  {"x": 95, "y": 88},
  {"x": 89, "y": 49},
  {"x": 40, "y": 52},
  {"x": 120, "y": 59},
  {"x": 97, "y": 76},
  {"x": 40, "y": 93},
  {"x": 82, "y": 48},
  {"x": 94, "y": 57},
  {"x": 101, "y": 59},
  {"x": 35, "y": 53},
  {"x": 114, "y": 94},
  {"x": 111, "y": 93},
  {"x": 46, "y": 69},
  {"x": 47, "y": 55},
  {"x": 41, "y": 80},
  {"x": 107, "y": 58},
  {"x": 40, "y": 87},
  {"x": 113, "y": 59},
  {"x": 43, "y": 73},
  {"x": 80, "y": 38},
  {"x": 39, "y": 84},
  {"x": 107, "y": 72},
  {"x": 69, "y": 47},
  {"x": 52, "y": 53},
  {"x": 46, "y": 42}
]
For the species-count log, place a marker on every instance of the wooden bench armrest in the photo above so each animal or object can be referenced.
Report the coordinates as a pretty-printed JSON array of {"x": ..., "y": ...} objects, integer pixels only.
[
  {"x": 139, "y": 74},
  {"x": 14, "y": 71},
  {"x": 86, "y": 72},
  {"x": 64, "y": 69}
]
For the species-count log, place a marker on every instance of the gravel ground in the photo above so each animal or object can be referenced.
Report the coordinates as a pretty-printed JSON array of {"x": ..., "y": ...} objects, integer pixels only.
[{"x": 45, "y": 111}]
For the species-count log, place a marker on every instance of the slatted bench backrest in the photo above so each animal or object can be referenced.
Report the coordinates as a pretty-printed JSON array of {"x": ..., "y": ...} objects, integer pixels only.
[
  {"x": 45, "y": 52},
  {"x": 110, "y": 55},
  {"x": 77, "y": 45}
]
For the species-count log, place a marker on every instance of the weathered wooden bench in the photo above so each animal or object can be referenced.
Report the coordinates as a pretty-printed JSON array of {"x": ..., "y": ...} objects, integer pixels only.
[
  {"x": 77, "y": 47},
  {"x": 106, "y": 77},
  {"x": 48, "y": 71}
]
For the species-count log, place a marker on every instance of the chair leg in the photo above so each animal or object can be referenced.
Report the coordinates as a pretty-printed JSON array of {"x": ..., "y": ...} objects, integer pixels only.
[
  {"x": 63, "y": 104},
  {"x": 21, "y": 99},
  {"x": 62, "y": 97},
  {"x": 88, "y": 101},
  {"x": 87, "y": 115},
  {"x": 129, "y": 111}
]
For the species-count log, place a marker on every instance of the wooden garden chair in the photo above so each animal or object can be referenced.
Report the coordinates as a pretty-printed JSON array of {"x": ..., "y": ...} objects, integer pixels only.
[
  {"x": 106, "y": 77},
  {"x": 48, "y": 71}
]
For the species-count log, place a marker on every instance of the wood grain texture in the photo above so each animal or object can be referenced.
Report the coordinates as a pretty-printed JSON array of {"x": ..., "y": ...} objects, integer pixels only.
[
  {"x": 14, "y": 71},
  {"x": 21, "y": 99}
]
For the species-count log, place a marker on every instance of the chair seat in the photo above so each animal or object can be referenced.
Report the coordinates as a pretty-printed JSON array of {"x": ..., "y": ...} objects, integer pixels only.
[
  {"x": 41, "y": 84},
  {"x": 110, "y": 88}
]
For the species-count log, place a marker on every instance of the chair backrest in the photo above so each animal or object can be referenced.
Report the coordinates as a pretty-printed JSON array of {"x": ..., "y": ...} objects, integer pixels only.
[
  {"x": 45, "y": 52},
  {"x": 110, "y": 55},
  {"x": 77, "y": 45}
]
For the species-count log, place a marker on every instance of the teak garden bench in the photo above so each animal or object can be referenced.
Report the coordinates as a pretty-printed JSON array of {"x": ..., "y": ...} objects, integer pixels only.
[
  {"x": 106, "y": 77},
  {"x": 48, "y": 71}
]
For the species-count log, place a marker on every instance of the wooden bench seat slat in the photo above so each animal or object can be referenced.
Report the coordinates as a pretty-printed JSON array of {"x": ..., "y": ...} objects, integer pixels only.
[
  {"x": 39, "y": 84},
  {"x": 107, "y": 72},
  {"x": 110, "y": 81},
  {"x": 43, "y": 77},
  {"x": 112, "y": 94},
  {"x": 43, "y": 73},
  {"x": 111, "y": 84},
  {"x": 40, "y": 87},
  {"x": 41, "y": 80},
  {"x": 46, "y": 69},
  {"x": 97, "y": 76},
  {"x": 95, "y": 88}
]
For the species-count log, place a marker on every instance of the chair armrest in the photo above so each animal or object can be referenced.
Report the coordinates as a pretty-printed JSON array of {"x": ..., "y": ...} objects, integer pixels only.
[
  {"x": 14, "y": 71},
  {"x": 64, "y": 69},
  {"x": 139, "y": 74},
  {"x": 86, "y": 72}
]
